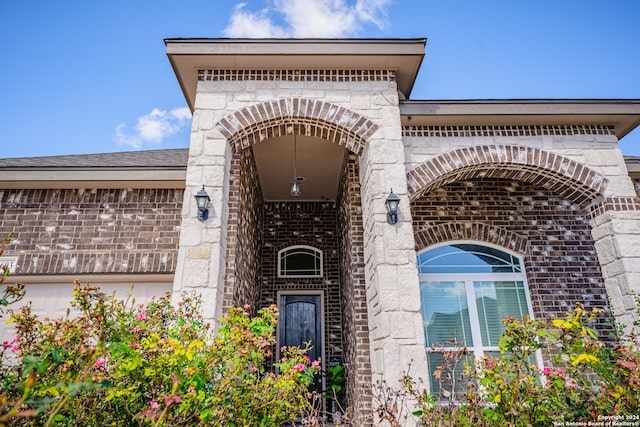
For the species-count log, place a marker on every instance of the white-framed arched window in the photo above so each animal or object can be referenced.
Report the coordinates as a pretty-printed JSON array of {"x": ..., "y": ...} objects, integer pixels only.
[
  {"x": 466, "y": 290},
  {"x": 300, "y": 261}
]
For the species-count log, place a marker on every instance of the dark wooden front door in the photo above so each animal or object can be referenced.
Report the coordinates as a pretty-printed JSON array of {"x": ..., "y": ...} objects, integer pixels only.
[{"x": 301, "y": 322}]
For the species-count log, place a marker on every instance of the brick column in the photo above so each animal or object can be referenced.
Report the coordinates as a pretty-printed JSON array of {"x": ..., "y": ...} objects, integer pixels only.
[
  {"x": 201, "y": 255},
  {"x": 617, "y": 240},
  {"x": 393, "y": 296}
]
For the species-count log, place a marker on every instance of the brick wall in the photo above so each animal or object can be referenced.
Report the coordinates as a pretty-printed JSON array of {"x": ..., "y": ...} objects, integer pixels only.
[
  {"x": 73, "y": 231},
  {"x": 312, "y": 224},
  {"x": 561, "y": 263},
  {"x": 244, "y": 238},
  {"x": 354, "y": 301}
]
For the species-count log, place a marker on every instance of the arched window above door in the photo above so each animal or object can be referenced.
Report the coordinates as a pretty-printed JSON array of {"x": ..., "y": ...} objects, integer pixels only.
[{"x": 300, "y": 261}]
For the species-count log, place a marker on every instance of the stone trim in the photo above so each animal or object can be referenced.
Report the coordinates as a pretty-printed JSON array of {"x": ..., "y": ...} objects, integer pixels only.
[
  {"x": 308, "y": 117},
  {"x": 471, "y": 231},
  {"x": 573, "y": 180},
  {"x": 300, "y": 75},
  {"x": 471, "y": 131},
  {"x": 617, "y": 204}
]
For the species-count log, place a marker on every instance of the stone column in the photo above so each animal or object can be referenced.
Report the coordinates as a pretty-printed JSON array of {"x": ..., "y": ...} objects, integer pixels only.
[
  {"x": 617, "y": 240},
  {"x": 393, "y": 296},
  {"x": 201, "y": 255}
]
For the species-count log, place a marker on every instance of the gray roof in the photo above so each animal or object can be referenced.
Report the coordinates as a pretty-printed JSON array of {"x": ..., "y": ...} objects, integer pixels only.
[{"x": 168, "y": 158}]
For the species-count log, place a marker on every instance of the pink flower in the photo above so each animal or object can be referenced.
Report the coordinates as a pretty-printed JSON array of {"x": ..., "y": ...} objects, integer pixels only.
[
  {"x": 491, "y": 363},
  {"x": 315, "y": 363},
  {"x": 137, "y": 329},
  {"x": 6, "y": 344},
  {"x": 283, "y": 348},
  {"x": 247, "y": 306},
  {"x": 299, "y": 367},
  {"x": 154, "y": 404},
  {"x": 99, "y": 362},
  {"x": 15, "y": 348},
  {"x": 307, "y": 358},
  {"x": 547, "y": 371},
  {"x": 141, "y": 316},
  {"x": 559, "y": 372},
  {"x": 254, "y": 368}
]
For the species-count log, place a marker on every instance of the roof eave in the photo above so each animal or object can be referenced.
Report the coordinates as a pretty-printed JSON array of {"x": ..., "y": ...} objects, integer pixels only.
[
  {"x": 622, "y": 114},
  {"x": 187, "y": 56}
]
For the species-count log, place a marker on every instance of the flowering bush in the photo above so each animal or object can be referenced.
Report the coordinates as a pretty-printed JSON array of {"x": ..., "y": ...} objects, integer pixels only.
[
  {"x": 112, "y": 362},
  {"x": 586, "y": 381}
]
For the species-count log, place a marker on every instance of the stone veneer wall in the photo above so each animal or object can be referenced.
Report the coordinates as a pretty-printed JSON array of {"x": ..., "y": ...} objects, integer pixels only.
[
  {"x": 74, "y": 231},
  {"x": 244, "y": 236},
  {"x": 561, "y": 262},
  {"x": 354, "y": 301},
  {"x": 312, "y": 224}
]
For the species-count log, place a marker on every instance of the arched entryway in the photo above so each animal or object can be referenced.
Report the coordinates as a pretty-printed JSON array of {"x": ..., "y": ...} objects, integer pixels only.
[{"x": 319, "y": 144}]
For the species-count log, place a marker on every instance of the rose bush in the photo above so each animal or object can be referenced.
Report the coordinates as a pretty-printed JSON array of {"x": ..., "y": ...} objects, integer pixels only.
[
  {"x": 112, "y": 362},
  {"x": 585, "y": 379}
]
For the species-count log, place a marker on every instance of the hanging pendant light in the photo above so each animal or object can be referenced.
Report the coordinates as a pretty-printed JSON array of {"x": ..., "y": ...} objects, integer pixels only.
[{"x": 295, "y": 182}]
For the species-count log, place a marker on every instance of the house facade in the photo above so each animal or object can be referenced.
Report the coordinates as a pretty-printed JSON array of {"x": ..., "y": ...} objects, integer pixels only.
[{"x": 506, "y": 207}]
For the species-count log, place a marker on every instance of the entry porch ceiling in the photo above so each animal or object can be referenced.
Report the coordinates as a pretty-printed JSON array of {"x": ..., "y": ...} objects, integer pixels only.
[
  {"x": 187, "y": 56},
  {"x": 318, "y": 161}
]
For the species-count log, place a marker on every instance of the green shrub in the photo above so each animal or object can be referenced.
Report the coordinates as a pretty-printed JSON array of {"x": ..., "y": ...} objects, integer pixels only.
[
  {"x": 112, "y": 362},
  {"x": 586, "y": 381}
]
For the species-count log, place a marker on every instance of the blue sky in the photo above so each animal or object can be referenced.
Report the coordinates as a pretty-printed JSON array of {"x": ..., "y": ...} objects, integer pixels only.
[{"x": 82, "y": 76}]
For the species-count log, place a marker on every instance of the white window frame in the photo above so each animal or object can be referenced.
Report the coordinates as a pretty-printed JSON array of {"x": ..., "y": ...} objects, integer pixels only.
[
  {"x": 301, "y": 276},
  {"x": 478, "y": 349}
]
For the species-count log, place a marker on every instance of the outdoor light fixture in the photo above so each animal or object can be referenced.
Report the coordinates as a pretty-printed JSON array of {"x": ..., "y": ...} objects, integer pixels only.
[
  {"x": 392, "y": 208},
  {"x": 295, "y": 187},
  {"x": 202, "y": 200},
  {"x": 295, "y": 182}
]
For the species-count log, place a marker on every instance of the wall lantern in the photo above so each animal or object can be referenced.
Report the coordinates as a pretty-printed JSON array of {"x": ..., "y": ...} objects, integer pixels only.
[
  {"x": 202, "y": 200},
  {"x": 392, "y": 208}
]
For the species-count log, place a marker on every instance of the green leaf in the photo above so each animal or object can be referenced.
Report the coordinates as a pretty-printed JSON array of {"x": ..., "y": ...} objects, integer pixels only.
[{"x": 57, "y": 356}]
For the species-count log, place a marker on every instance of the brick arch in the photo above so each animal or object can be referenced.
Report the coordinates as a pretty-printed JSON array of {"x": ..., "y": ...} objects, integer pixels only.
[
  {"x": 301, "y": 116},
  {"x": 471, "y": 231},
  {"x": 572, "y": 180}
]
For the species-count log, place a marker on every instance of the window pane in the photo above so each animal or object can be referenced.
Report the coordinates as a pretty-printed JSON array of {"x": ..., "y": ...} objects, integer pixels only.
[
  {"x": 447, "y": 372},
  {"x": 300, "y": 262},
  {"x": 445, "y": 313},
  {"x": 467, "y": 258},
  {"x": 495, "y": 301},
  {"x": 530, "y": 360}
]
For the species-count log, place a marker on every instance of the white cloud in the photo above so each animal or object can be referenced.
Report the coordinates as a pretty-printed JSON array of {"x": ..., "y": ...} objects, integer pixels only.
[
  {"x": 255, "y": 25},
  {"x": 153, "y": 128},
  {"x": 308, "y": 18}
]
